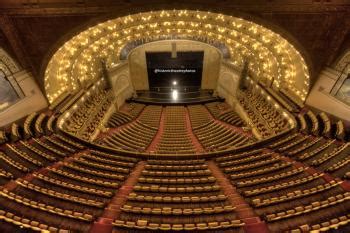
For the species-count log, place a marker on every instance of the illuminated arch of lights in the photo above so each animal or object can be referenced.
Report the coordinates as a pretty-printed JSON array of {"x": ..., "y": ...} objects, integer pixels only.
[{"x": 271, "y": 57}]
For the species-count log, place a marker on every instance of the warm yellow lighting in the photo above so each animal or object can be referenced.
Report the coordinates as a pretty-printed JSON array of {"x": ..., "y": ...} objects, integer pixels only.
[{"x": 270, "y": 56}]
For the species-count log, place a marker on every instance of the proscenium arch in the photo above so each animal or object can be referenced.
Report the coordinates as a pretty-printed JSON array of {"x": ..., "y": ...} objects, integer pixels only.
[
  {"x": 138, "y": 63},
  {"x": 271, "y": 57}
]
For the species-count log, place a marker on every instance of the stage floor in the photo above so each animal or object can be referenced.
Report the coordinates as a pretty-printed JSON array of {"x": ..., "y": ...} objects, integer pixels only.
[{"x": 175, "y": 96}]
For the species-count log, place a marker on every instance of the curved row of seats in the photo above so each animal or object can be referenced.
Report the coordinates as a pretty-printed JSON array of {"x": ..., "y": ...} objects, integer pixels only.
[
  {"x": 211, "y": 134},
  {"x": 288, "y": 195},
  {"x": 119, "y": 118},
  {"x": 294, "y": 183},
  {"x": 321, "y": 125},
  {"x": 222, "y": 111},
  {"x": 68, "y": 194},
  {"x": 137, "y": 135},
  {"x": 175, "y": 138},
  {"x": 193, "y": 202},
  {"x": 215, "y": 136}
]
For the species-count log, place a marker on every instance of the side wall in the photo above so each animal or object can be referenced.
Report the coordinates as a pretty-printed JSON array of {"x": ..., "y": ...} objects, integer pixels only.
[
  {"x": 121, "y": 83},
  {"x": 33, "y": 101},
  {"x": 321, "y": 99}
]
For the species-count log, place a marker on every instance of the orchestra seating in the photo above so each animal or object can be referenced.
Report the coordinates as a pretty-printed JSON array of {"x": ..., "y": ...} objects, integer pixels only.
[
  {"x": 123, "y": 117},
  {"x": 174, "y": 136},
  {"x": 289, "y": 195},
  {"x": 54, "y": 180},
  {"x": 222, "y": 111},
  {"x": 177, "y": 195},
  {"x": 137, "y": 135},
  {"x": 211, "y": 134}
]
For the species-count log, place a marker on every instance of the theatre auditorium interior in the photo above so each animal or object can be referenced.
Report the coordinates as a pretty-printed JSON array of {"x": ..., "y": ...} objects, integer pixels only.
[{"x": 179, "y": 116}]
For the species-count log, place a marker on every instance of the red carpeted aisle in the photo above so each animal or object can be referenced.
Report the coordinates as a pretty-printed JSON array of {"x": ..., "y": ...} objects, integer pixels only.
[
  {"x": 253, "y": 223},
  {"x": 112, "y": 211}
]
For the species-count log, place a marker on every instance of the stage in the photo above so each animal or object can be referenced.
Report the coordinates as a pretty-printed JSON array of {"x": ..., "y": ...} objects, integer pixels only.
[{"x": 175, "y": 96}]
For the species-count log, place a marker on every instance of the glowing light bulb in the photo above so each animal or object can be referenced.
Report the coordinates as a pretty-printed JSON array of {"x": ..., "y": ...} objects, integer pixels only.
[{"x": 174, "y": 94}]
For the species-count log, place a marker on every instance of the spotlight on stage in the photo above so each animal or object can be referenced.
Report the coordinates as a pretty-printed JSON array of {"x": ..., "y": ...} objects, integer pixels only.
[{"x": 174, "y": 94}]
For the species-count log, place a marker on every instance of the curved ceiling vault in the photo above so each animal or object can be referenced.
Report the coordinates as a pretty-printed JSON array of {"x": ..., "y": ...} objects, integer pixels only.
[{"x": 271, "y": 57}]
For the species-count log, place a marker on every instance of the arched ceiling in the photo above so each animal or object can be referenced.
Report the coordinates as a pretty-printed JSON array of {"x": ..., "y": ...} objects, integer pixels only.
[
  {"x": 30, "y": 31},
  {"x": 271, "y": 57}
]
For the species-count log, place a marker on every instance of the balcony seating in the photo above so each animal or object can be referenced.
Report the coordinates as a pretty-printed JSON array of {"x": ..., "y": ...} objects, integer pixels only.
[
  {"x": 296, "y": 142},
  {"x": 313, "y": 123},
  {"x": 309, "y": 155},
  {"x": 340, "y": 168},
  {"x": 325, "y": 124},
  {"x": 69, "y": 142},
  {"x": 11, "y": 167},
  {"x": 283, "y": 140},
  {"x": 3, "y": 137},
  {"x": 80, "y": 115},
  {"x": 313, "y": 193},
  {"x": 263, "y": 114},
  {"x": 16, "y": 132},
  {"x": 144, "y": 224},
  {"x": 137, "y": 135},
  {"x": 291, "y": 99},
  {"x": 302, "y": 123},
  {"x": 328, "y": 225},
  {"x": 90, "y": 181},
  {"x": 51, "y": 124},
  {"x": 340, "y": 130},
  {"x": 84, "y": 120},
  {"x": 76, "y": 187},
  {"x": 49, "y": 147},
  {"x": 42, "y": 215},
  {"x": 300, "y": 215},
  {"x": 17, "y": 220},
  {"x": 286, "y": 103},
  {"x": 306, "y": 146},
  {"x": 44, "y": 207},
  {"x": 232, "y": 118},
  {"x": 215, "y": 136},
  {"x": 39, "y": 126},
  {"x": 28, "y": 126},
  {"x": 61, "y": 145},
  {"x": 337, "y": 154},
  {"x": 51, "y": 181},
  {"x": 169, "y": 196},
  {"x": 224, "y": 112},
  {"x": 22, "y": 156}
]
